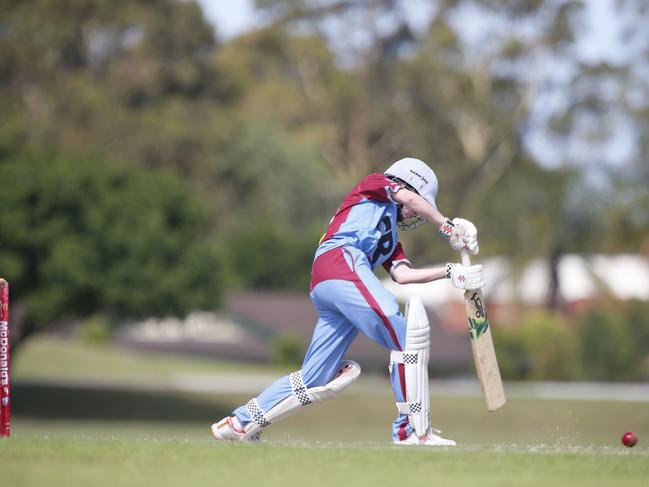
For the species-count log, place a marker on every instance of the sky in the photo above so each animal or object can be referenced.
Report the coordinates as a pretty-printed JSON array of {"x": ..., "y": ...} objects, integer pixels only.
[
  {"x": 230, "y": 17},
  {"x": 233, "y": 17}
]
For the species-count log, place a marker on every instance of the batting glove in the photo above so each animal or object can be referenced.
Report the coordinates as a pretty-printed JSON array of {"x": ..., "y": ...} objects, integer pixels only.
[
  {"x": 462, "y": 277},
  {"x": 466, "y": 236},
  {"x": 450, "y": 232}
]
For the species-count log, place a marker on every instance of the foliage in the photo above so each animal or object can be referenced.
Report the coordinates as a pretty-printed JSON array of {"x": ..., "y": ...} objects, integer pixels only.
[
  {"x": 94, "y": 331},
  {"x": 264, "y": 179},
  {"x": 542, "y": 347},
  {"x": 635, "y": 312},
  {"x": 267, "y": 256},
  {"x": 609, "y": 350},
  {"x": 607, "y": 343},
  {"x": 271, "y": 128},
  {"x": 286, "y": 350},
  {"x": 87, "y": 235}
]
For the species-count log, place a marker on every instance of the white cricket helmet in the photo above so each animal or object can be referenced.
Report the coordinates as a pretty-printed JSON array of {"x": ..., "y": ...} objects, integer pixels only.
[{"x": 416, "y": 174}]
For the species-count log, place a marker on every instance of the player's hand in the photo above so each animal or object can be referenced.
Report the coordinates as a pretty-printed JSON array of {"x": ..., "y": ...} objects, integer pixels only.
[
  {"x": 470, "y": 277},
  {"x": 465, "y": 235},
  {"x": 460, "y": 234}
]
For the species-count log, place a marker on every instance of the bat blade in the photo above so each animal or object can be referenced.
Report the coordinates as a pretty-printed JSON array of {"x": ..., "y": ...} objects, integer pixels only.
[{"x": 484, "y": 354}]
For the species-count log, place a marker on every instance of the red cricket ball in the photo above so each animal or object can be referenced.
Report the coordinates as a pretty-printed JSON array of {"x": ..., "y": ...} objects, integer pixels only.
[{"x": 629, "y": 439}]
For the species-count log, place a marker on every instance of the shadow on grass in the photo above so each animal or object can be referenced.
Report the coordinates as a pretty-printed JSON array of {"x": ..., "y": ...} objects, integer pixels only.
[{"x": 48, "y": 401}]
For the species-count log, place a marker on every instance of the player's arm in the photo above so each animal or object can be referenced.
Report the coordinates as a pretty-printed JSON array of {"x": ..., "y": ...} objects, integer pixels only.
[
  {"x": 422, "y": 207},
  {"x": 462, "y": 277},
  {"x": 459, "y": 232},
  {"x": 404, "y": 274}
]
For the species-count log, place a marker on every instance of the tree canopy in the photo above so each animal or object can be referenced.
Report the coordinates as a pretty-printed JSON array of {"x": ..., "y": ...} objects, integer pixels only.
[
  {"x": 82, "y": 236},
  {"x": 148, "y": 166}
]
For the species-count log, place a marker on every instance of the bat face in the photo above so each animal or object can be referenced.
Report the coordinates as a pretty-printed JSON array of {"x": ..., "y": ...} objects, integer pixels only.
[
  {"x": 482, "y": 346},
  {"x": 476, "y": 314},
  {"x": 484, "y": 355}
]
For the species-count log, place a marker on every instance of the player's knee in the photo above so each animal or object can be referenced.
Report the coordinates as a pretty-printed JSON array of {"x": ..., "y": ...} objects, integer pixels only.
[{"x": 315, "y": 377}]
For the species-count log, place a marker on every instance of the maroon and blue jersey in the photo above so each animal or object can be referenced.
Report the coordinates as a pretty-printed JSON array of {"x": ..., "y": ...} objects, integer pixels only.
[{"x": 367, "y": 220}]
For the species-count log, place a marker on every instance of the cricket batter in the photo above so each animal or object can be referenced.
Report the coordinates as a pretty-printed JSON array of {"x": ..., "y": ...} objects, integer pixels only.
[{"x": 349, "y": 298}]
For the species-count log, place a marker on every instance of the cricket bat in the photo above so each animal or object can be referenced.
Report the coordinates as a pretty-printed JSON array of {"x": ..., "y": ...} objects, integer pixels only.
[{"x": 482, "y": 346}]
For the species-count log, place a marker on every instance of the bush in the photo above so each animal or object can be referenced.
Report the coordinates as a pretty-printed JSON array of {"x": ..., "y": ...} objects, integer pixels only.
[
  {"x": 286, "y": 350},
  {"x": 269, "y": 256},
  {"x": 513, "y": 360},
  {"x": 542, "y": 347},
  {"x": 608, "y": 348},
  {"x": 87, "y": 235},
  {"x": 95, "y": 331},
  {"x": 608, "y": 343},
  {"x": 551, "y": 346},
  {"x": 636, "y": 314}
]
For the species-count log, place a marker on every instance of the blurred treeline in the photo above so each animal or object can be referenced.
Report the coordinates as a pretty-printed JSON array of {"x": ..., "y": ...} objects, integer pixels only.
[
  {"x": 610, "y": 342},
  {"x": 147, "y": 166}
]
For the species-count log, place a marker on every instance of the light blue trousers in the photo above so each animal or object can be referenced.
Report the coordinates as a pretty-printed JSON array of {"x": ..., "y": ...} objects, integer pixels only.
[{"x": 349, "y": 298}]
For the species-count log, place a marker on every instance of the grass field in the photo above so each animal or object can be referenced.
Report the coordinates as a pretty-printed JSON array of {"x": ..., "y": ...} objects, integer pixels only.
[
  {"x": 100, "y": 461},
  {"x": 73, "y": 435}
]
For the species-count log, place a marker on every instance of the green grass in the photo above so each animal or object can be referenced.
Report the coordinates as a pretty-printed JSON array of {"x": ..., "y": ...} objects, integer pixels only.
[
  {"x": 47, "y": 358},
  {"x": 107, "y": 431},
  {"x": 339, "y": 442},
  {"x": 27, "y": 461}
]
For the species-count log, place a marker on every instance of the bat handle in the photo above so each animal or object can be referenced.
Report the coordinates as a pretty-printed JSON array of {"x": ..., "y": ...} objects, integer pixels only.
[{"x": 466, "y": 259}]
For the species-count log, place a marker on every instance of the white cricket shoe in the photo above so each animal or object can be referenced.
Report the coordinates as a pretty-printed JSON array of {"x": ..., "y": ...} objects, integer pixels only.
[
  {"x": 229, "y": 429},
  {"x": 431, "y": 438}
]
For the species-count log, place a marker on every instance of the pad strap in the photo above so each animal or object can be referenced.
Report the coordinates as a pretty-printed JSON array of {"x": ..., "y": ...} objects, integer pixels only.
[
  {"x": 298, "y": 388},
  {"x": 257, "y": 414},
  {"x": 409, "y": 407},
  {"x": 404, "y": 357}
]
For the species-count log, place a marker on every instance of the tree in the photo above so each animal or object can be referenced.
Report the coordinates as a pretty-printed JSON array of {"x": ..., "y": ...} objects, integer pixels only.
[
  {"x": 422, "y": 92},
  {"x": 273, "y": 127},
  {"x": 134, "y": 79},
  {"x": 89, "y": 235}
]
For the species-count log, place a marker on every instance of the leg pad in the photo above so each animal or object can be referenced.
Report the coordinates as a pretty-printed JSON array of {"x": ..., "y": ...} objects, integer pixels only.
[
  {"x": 414, "y": 360},
  {"x": 301, "y": 396}
]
